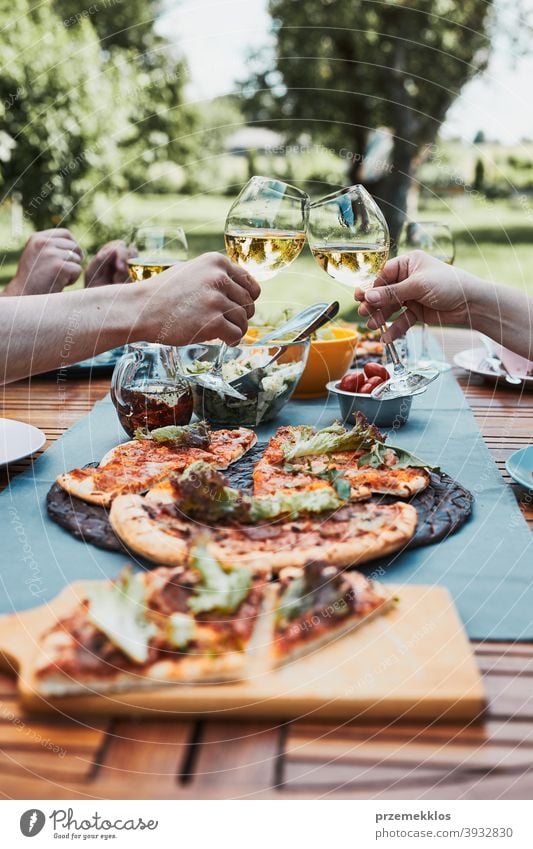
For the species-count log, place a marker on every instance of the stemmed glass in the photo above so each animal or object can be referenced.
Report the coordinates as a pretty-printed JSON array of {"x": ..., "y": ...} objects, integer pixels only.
[
  {"x": 264, "y": 233},
  {"x": 349, "y": 239},
  {"x": 437, "y": 240},
  {"x": 154, "y": 249}
]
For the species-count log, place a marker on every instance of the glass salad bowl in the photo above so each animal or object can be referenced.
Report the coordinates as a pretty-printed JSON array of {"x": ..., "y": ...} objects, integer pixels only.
[{"x": 266, "y": 374}]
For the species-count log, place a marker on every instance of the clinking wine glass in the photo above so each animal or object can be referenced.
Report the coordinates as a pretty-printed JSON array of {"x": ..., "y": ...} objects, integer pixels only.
[
  {"x": 437, "y": 240},
  {"x": 264, "y": 233},
  {"x": 349, "y": 239},
  {"x": 155, "y": 248}
]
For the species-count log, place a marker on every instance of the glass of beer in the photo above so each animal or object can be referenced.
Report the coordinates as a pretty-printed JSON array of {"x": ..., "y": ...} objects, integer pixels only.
[{"x": 155, "y": 248}]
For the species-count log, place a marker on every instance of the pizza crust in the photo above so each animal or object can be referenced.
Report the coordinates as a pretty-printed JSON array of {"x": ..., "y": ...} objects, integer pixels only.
[
  {"x": 168, "y": 544},
  {"x": 83, "y": 483}
]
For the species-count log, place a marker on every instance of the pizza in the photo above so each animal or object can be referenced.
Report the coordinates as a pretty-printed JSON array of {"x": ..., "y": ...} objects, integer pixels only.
[
  {"x": 302, "y": 458},
  {"x": 137, "y": 465},
  {"x": 263, "y": 533},
  {"x": 318, "y": 604},
  {"x": 194, "y": 624},
  {"x": 201, "y": 623}
]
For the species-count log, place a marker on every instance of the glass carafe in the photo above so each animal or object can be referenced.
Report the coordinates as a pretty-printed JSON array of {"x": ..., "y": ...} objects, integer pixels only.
[{"x": 149, "y": 390}]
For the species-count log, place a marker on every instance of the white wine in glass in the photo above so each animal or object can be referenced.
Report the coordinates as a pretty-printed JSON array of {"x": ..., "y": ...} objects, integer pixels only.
[
  {"x": 265, "y": 252},
  {"x": 264, "y": 233},
  {"x": 357, "y": 265},
  {"x": 349, "y": 239},
  {"x": 154, "y": 249},
  {"x": 435, "y": 239},
  {"x": 265, "y": 227}
]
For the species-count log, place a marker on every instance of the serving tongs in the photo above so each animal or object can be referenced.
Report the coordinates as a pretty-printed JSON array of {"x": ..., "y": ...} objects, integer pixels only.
[{"x": 302, "y": 325}]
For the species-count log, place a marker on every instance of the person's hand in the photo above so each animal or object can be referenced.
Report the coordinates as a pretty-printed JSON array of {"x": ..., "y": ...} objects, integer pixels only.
[
  {"x": 109, "y": 266},
  {"x": 206, "y": 298},
  {"x": 427, "y": 288},
  {"x": 50, "y": 261}
]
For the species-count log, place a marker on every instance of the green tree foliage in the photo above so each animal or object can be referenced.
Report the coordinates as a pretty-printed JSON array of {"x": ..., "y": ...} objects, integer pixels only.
[
  {"x": 84, "y": 114},
  {"x": 344, "y": 67}
]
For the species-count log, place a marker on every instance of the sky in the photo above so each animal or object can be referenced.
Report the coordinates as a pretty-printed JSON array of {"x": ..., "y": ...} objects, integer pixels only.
[{"x": 216, "y": 35}]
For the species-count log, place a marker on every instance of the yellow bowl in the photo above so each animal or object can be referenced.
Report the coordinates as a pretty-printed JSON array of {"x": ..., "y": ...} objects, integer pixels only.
[{"x": 329, "y": 359}]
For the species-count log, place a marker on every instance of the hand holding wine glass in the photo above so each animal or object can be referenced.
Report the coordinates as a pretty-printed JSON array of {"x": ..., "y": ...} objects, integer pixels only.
[
  {"x": 436, "y": 240},
  {"x": 264, "y": 233},
  {"x": 349, "y": 239}
]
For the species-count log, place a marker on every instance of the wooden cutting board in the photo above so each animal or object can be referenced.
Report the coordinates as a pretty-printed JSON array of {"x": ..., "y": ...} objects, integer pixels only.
[{"x": 413, "y": 662}]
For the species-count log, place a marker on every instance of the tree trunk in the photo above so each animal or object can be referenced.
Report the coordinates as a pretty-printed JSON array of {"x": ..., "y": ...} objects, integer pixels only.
[{"x": 391, "y": 191}]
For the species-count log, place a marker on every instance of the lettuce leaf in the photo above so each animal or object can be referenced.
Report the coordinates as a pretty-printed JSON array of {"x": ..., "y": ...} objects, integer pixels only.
[
  {"x": 313, "y": 501},
  {"x": 119, "y": 611},
  {"x": 334, "y": 438},
  {"x": 201, "y": 492},
  {"x": 219, "y": 590},
  {"x": 193, "y": 436},
  {"x": 376, "y": 458},
  {"x": 180, "y": 630}
]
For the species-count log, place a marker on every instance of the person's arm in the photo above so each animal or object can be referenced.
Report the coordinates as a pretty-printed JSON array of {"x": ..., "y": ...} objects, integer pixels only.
[
  {"x": 50, "y": 261},
  {"x": 206, "y": 298},
  {"x": 431, "y": 291}
]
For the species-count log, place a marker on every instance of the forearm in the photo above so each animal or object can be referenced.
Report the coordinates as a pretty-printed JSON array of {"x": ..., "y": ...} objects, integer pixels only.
[
  {"x": 43, "y": 332},
  {"x": 503, "y": 313}
]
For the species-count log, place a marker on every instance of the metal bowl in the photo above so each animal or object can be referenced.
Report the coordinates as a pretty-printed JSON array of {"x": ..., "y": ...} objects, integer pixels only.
[{"x": 393, "y": 412}]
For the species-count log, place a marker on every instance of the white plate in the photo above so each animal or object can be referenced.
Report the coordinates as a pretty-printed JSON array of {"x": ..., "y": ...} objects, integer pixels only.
[
  {"x": 18, "y": 440},
  {"x": 470, "y": 360}
]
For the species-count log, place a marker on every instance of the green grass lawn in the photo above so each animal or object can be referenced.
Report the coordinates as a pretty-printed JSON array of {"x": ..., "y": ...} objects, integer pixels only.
[{"x": 494, "y": 240}]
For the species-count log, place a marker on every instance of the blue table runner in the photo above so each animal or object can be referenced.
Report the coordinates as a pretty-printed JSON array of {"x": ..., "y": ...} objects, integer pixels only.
[{"x": 487, "y": 565}]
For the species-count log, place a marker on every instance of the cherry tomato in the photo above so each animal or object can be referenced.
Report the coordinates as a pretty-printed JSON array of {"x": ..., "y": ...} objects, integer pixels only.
[
  {"x": 352, "y": 381},
  {"x": 375, "y": 370}
]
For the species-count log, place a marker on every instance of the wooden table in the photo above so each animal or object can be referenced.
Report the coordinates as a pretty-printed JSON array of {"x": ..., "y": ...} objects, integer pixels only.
[{"x": 210, "y": 759}]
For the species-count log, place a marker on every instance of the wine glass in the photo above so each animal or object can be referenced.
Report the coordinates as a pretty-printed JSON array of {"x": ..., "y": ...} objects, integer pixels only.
[
  {"x": 437, "y": 240},
  {"x": 349, "y": 239},
  {"x": 265, "y": 227},
  {"x": 264, "y": 233},
  {"x": 154, "y": 249}
]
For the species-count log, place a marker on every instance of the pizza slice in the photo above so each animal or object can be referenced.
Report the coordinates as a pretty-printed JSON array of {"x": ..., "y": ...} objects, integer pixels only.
[
  {"x": 318, "y": 604},
  {"x": 137, "y": 465},
  {"x": 263, "y": 533},
  {"x": 195, "y": 624},
  {"x": 356, "y": 462}
]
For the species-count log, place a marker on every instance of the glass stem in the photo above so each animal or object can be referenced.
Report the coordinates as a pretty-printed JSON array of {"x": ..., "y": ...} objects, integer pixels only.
[
  {"x": 399, "y": 367},
  {"x": 424, "y": 350}
]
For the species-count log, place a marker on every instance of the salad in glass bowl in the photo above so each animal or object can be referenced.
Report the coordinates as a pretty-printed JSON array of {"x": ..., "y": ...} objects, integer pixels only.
[{"x": 272, "y": 386}]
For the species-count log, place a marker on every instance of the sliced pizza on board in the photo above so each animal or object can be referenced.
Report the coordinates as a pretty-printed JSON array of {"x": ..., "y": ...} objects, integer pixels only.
[
  {"x": 318, "y": 604},
  {"x": 137, "y": 465},
  {"x": 194, "y": 624}
]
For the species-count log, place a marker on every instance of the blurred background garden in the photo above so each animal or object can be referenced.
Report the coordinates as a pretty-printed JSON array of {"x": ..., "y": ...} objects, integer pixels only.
[{"x": 121, "y": 112}]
